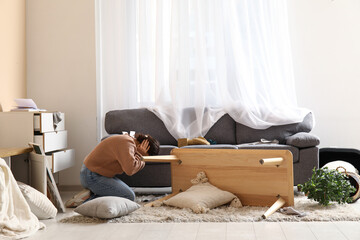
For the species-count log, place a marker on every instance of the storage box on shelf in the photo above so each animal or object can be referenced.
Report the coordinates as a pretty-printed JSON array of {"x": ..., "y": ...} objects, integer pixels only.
[{"x": 17, "y": 129}]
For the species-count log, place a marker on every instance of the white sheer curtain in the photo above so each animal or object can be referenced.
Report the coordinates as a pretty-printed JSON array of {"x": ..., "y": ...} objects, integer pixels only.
[{"x": 214, "y": 56}]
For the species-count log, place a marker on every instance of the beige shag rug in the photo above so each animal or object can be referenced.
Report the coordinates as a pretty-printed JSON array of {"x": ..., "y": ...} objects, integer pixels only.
[{"x": 313, "y": 211}]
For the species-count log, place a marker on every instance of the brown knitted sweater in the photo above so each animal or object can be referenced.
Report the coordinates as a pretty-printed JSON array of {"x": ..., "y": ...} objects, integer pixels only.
[{"x": 115, "y": 155}]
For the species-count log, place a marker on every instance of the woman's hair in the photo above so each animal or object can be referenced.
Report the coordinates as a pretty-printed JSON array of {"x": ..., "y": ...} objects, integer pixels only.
[{"x": 153, "y": 143}]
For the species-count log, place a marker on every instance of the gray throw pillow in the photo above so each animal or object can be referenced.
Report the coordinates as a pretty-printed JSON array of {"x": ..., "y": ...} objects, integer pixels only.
[
  {"x": 303, "y": 140},
  {"x": 107, "y": 207}
]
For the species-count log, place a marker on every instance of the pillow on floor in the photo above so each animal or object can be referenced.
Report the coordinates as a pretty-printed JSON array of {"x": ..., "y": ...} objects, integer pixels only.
[
  {"x": 202, "y": 196},
  {"x": 39, "y": 204},
  {"x": 107, "y": 207}
]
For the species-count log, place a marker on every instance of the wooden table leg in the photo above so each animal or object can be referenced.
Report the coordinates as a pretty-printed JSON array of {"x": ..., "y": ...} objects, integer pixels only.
[
  {"x": 277, "y": 205},
  {"x": 272, "y": 161},
  {"x": 152, "y": 204}
]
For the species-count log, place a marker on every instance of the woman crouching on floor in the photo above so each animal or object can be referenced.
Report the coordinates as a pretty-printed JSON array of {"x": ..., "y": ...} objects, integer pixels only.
[{"x": 113, "y": 156}]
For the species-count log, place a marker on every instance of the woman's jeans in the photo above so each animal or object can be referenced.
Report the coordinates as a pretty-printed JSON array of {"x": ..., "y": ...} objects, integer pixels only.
[{"x": 101, "y": 186}]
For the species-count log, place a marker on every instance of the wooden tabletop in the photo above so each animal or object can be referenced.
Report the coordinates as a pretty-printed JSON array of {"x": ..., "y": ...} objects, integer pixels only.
[
  {"x": 161, "y": 158},
  {"x": 8, "y": 152}
]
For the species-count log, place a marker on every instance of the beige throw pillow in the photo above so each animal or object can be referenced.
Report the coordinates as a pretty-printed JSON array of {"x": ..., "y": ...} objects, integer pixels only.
[
  {"x": 202, "y": 196},
  {"x": 39, "y": 204}
]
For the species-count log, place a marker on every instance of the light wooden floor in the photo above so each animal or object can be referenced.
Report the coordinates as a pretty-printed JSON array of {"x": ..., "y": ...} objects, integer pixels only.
[{"x": 191, "y": 231}]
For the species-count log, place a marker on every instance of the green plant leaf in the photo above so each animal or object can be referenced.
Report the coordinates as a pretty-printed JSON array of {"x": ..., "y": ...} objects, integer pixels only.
[{"x": 326, "y": 186}]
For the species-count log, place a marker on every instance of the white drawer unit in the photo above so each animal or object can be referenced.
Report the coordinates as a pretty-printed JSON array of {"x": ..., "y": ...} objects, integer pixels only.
[
  {"x": 61, "y": 160},
  {"x": 56, "y": 161},
  {"x": 52, "y": 141},
  {"x": 44, "y": 122},
  {"x": 18, "y": 129}
]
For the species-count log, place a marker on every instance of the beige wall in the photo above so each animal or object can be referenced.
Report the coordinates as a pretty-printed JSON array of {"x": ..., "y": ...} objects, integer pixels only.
[
  {"x": 12, "y": 52},
  {"x": 61, "y": 69},
  {"x": 325, "y": 38}
]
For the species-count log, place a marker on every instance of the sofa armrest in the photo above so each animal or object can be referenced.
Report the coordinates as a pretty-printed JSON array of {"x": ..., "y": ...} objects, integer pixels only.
[{"x": 303, "y": 140}]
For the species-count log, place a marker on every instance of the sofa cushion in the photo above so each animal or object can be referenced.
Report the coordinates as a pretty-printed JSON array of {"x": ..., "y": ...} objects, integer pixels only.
[
  {"x": 303, "y": 140},
  {"x": 246, "y": 134},
  {"x": 293, "y": 150},
  {"x": 223, "y": 131},
  {"x": 215, "y": 146},
  {"x": 138, "y": 120},
  {"x": 166, "y": 149}
]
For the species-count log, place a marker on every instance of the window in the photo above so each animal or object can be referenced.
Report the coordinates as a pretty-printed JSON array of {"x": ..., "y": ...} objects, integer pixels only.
[{"x": 215, "y": 56}]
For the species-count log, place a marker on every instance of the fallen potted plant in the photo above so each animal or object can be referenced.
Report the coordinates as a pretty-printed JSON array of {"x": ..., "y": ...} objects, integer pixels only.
[{"x": 326, "y": 186}]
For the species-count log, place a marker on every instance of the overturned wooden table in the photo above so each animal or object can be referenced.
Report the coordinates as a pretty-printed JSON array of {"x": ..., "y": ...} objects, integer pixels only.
[{"x": 260, "y": 177}]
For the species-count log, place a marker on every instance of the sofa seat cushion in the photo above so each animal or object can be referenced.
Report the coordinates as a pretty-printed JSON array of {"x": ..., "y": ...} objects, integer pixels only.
[
  {"x": 166, "y": 149},
  {"x": 215, "y": 146},
  {"x": 293, "y": 150}
]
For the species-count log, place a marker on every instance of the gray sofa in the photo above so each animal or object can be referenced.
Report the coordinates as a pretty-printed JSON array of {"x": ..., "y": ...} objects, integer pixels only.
[{"x": 226, "y": 133}]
